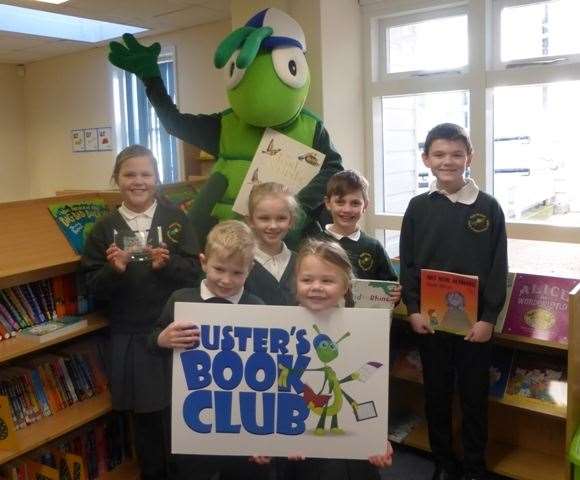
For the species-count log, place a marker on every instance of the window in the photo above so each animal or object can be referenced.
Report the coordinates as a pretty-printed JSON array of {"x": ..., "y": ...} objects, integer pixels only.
[
  {"x": 507, "y": 71},
  {"x": 137, "y": 122}
]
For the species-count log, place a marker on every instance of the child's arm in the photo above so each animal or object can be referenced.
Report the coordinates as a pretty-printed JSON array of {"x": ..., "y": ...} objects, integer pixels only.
[
  {"x": 494, "y": 292},
  {"x": 385, "y": 459},
  {"x": 169, "y": 334},
  {"x": 102, "y": 278}
]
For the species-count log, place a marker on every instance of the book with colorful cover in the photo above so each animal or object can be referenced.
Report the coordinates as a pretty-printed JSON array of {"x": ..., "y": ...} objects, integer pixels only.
[
  {"x": 537, "y": 379},
  {"x": 449, "y": 300},
  {"x": 76, "y": 219},
  {"x": 182, "y": 196},
  {"x": 539, "y": 307},
  {"x": 281, "y": 159},
  {"x": 372, "y": 293},
  {"x": 499, "y": 371}
]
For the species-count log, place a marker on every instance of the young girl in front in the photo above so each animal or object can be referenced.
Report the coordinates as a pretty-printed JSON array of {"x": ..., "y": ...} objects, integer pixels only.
[
  {"x": 133, "y": 288},
  {"x": 323, "y": 280},
  {"x": 272, "y": 211}
]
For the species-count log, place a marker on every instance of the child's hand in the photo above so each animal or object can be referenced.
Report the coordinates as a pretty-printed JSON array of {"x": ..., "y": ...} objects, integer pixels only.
[
  {"x": 117, "y": 258},
  {"x": 480, "y": 332},
  {"x": 159, "y": 257},
  {"x": 179, "y": 335},
  {"x": 260, "y": 460},
  {"x": 296, "y": 457},
  {"x": 420, "y": 324},
  {"x": 383, "y": 460},
  {"x": 395, "y": 295}
]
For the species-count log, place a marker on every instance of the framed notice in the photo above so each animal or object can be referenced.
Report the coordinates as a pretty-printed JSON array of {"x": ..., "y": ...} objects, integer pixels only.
[
  {"x": 91, "y": 140},
  {"x": 104, "y": 136},
  {"x": 78, "y": 140},
  {"x": 280, "y": 380}
]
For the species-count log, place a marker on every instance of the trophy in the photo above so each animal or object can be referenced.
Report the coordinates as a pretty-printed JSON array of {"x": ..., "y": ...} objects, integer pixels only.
[{"x": 136, "y": 243}]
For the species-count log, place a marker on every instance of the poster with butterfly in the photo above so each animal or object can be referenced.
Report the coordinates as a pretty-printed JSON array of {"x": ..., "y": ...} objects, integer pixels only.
[{"x": 280, "y": 159}]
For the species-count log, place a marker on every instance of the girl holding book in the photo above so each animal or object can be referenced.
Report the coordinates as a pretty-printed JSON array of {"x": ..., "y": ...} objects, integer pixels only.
[{"x": 134, "y": 258}]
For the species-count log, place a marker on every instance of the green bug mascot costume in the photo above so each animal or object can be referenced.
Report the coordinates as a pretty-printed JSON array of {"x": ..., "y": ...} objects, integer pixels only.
[{"x": 267, "y": 79}]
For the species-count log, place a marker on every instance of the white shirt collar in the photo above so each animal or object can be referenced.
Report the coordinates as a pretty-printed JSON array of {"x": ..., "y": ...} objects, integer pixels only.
[
  {"x": 206, "y": 294},
  {"x": 275, "y": 264},
  {"x": 466, "y": 194},
  {"x": 353, "y": 236},
  {"x": 129, "y": 215}
]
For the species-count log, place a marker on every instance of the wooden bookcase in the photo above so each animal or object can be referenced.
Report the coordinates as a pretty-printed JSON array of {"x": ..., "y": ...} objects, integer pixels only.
[
  {"x": 33, "y": 248},
  {"x": 526, "y": 442}
]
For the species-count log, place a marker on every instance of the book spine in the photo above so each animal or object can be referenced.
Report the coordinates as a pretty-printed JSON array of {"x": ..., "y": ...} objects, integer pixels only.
[
  {"x": 24, "y": 301},
  {"x": 11, "y": 324},
  {"x": 50, "y": 387},
  {"x": 31, "y": 390},
  {"x": 18, "y": 305},
  {"x": 39, "y": 295},
  {"x": 59, "y": 382},
  {"x": 36, "y": 305},
  {"x": 5, "y": 391},
  {"x": 48, "y": 293},
  {"x": 13, "y": 310},
  {"x": 68, "y": 381},
  {"x": 85, "y": 374},
  {"x": 40, "y": 393}
]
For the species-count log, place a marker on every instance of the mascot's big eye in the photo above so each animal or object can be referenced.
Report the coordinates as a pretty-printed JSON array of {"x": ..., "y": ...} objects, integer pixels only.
[
  {"x": 290, "y": 65},
  {"x": 233, "y": 74}
]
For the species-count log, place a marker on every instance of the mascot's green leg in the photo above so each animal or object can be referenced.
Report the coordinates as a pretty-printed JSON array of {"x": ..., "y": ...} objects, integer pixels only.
[
  {"x": 334, "y": 428},
  {"x": 320, "y": 426},
  {"x": 200, "y": 213}
]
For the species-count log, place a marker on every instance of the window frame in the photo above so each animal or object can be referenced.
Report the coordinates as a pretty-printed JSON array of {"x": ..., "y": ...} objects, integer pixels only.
[
  {"x": 497, "y": 64},
  {"x": 480, "y": 78}
]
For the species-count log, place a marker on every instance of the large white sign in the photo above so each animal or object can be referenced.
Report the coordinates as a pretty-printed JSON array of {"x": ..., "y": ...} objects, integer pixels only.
[{"x": 280, "y": 380}]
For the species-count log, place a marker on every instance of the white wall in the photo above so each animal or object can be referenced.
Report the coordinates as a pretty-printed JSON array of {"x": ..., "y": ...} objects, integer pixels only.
[
  {"x": 13, "y": 171},
  {"x": 74, "y": 91}
]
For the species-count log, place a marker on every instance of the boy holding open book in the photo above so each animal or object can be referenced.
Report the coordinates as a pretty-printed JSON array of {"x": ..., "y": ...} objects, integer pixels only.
[{"x": 456, "y": 228}]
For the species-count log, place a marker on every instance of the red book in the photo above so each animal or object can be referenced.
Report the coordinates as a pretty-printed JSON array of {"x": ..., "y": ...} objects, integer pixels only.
[{"x": 449, "y": 300}]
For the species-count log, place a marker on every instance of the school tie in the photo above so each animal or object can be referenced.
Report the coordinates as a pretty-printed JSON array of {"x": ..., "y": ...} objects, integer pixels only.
[{"x": 217, "y": 300}]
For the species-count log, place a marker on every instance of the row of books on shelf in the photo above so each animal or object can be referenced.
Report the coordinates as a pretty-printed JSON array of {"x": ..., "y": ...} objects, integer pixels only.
[
  {"x": 49, "y": 383},
  {"x": 536, "y": 306},
  {"x": 36, "y": 303},
  {"x": 524, "y": 378},
  {"x": 86, "y": 454}
]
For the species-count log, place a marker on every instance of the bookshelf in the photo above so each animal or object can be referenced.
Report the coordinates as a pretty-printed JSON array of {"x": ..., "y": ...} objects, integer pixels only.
[
  {"x": 33, "y": 248},
  {"x": 527, "y": 441}
]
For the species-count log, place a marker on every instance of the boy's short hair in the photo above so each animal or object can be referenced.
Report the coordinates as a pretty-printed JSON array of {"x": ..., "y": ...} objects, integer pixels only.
[
  {"x": 229, "y": 239},
  {"x": 345, "y": 182},
  {"x": 448, "y": 131}
]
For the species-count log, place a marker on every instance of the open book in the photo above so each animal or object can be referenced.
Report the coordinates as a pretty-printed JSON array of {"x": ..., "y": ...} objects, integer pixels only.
[{"x": 280, "y": 159}]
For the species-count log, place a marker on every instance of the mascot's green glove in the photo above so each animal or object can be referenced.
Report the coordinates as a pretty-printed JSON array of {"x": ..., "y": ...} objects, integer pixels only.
[{"x": 135, "y": 58}]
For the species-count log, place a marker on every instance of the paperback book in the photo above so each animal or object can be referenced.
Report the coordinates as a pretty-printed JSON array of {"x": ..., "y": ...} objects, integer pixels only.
[
  {"x": 449, "y": 300},
  {"x": 48, "y": 331},
  {"x": 499, "y": 372},
  {"x": 281, "y": 159},
  {"x": 502, "y": 314},
  {"x": 372, "y": 293},
  {"x": 77, "y": 219},
  {"x": 401, "y": 424},
  {"x": 538, "y": 307},
  {"x": 537, "y": 379}
]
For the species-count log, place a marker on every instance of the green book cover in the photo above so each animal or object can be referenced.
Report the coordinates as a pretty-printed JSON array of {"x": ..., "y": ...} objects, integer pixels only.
[
  {"x": 372, "y": 293},
  {"x": 76, "y": 219}
]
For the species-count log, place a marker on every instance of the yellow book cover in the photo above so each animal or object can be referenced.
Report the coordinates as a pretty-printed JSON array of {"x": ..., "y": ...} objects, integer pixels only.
[
  {"x": 449, "y": 300},
  {"x": 7, "y": 428},
  {"x": 38, "y": 471}
]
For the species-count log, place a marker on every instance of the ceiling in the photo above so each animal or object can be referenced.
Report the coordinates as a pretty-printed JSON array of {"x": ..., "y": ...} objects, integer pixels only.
[{"x": 157, "y": 15}]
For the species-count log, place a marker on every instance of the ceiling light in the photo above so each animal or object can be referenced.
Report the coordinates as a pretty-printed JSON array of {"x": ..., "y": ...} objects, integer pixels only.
[
  {"x": 55, "y": 2},
  {"x": 55, "y": 25}
]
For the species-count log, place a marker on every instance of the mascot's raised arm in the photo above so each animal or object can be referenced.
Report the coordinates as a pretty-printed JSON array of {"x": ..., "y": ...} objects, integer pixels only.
[{"x": 267, "y": 81}]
